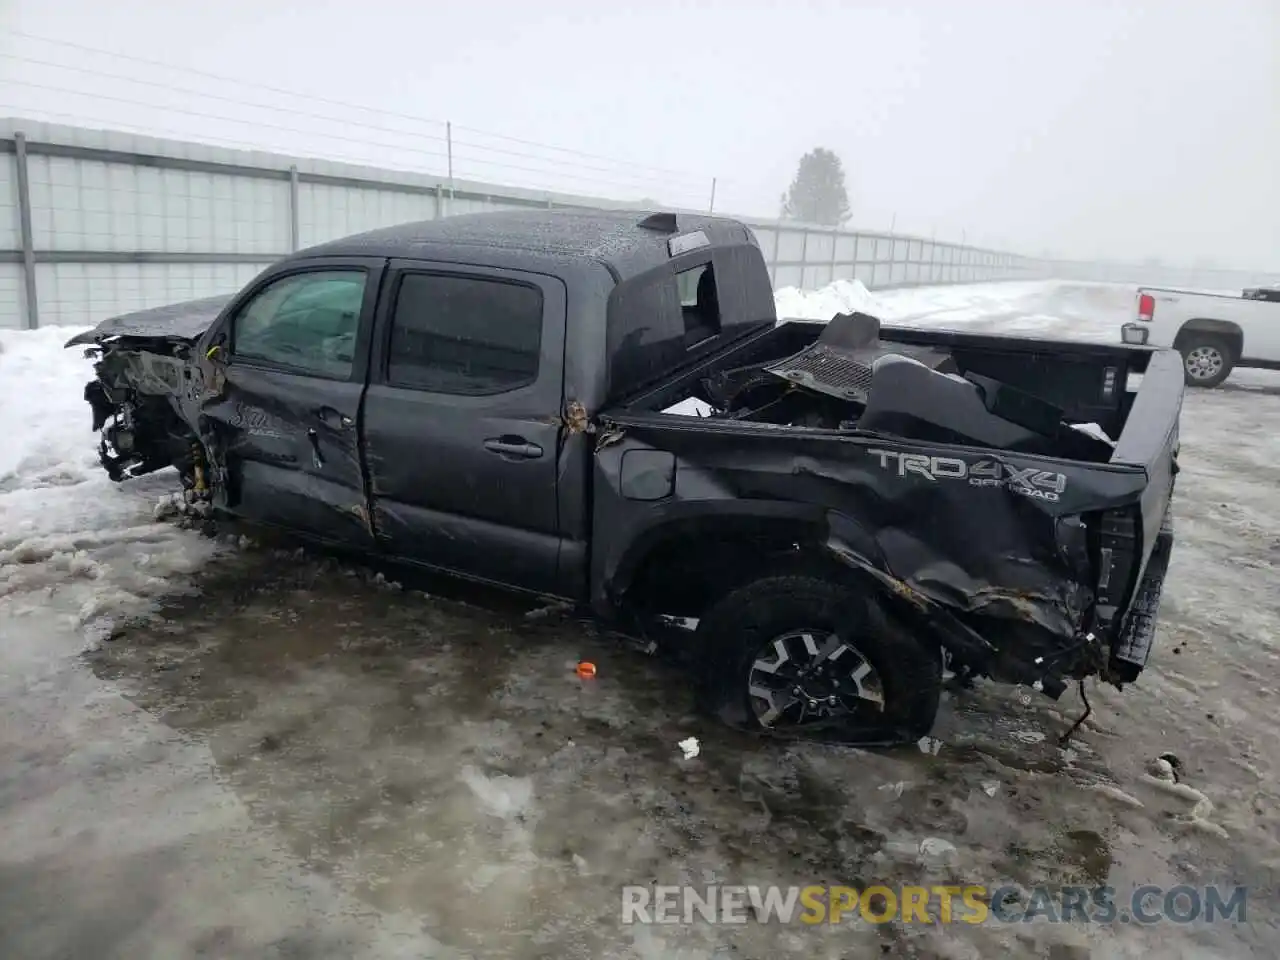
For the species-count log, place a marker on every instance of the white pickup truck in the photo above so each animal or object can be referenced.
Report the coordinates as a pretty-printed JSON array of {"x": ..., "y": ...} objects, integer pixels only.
[{"x": 1214, "y": 332}]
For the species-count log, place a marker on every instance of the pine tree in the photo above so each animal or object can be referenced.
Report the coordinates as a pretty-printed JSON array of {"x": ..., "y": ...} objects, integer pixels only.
[{"x": 818, "y": 193}]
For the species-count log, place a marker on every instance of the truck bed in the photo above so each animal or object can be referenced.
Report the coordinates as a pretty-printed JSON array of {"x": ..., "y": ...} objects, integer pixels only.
[
  {"x": 1018, "y": 486},
  {"x": 1089, "y": 383}
]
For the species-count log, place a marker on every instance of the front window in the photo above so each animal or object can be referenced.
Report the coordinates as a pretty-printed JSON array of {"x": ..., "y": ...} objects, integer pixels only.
[{"x": 307, "y": 320}]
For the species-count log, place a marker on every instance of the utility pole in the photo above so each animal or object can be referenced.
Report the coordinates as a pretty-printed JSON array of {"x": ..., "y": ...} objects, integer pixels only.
[
  {"x": 448, "y": 133},
  {"x": 711, "y": 207}
]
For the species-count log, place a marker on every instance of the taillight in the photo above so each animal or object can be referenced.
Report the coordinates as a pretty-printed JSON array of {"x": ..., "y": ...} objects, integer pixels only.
[
  {"x": 1119, "y": 549},
  {"x": 1146, "y": 307}
]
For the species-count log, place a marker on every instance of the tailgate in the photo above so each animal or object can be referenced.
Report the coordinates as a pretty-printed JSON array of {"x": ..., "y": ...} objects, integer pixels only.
[{"x": 1150, "y": 440}]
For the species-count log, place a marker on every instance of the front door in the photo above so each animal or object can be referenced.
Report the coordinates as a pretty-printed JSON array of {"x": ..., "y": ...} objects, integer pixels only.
[
  {"x": 291, "y": 356},
  {"x": 462, "y": 421}
]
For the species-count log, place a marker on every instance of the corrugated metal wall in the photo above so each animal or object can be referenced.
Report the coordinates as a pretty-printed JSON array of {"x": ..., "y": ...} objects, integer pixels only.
[
  {"x": 118, "y": 222},
  {"x": 12, "y": 295}
]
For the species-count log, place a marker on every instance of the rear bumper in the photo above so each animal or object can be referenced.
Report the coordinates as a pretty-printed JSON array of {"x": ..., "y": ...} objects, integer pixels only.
[{"x": 1135, "y": 334}]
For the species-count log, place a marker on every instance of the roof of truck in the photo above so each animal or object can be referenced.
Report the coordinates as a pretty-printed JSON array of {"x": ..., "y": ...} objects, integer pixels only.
[{"x": 615, "y": 238}]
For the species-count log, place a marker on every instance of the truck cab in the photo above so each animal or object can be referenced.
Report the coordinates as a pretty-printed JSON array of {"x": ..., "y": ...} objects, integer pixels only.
[{"x": 318, "y": 384}]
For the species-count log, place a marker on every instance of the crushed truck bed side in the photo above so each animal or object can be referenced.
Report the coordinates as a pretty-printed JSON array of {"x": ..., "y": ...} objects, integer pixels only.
[{"x": 1016, "y": 557}]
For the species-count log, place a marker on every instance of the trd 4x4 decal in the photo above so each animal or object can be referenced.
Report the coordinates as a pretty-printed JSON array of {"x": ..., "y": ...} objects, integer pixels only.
[{"x": 1028, "y": 481}]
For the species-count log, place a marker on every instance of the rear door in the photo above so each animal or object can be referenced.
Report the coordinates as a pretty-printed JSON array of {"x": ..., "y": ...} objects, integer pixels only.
[
  {"x": 292, "y": 354},
  {"x": 461, "y": 420}
]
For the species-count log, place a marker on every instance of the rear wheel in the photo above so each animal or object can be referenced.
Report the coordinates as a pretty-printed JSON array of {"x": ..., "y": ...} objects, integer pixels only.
[
  {"x": 1206, "y": 360},
  {"x": 809, "y": 656}
]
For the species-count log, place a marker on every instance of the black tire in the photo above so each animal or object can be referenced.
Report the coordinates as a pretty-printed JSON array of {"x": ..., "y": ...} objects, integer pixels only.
[
  {"x": 747, "y": 621},
  {"x": 1206, "y": 360}
]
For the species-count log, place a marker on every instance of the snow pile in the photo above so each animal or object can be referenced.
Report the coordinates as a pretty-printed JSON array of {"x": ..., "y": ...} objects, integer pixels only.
[
  {"x": 1046, "y": 309},
  {"x": 843, "y": 296},
  {"x": 46, "y": 439},
  {"x": 73, "y": 545}
]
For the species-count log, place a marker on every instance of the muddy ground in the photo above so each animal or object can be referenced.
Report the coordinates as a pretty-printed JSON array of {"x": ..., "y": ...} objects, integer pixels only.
[{"x": 294, "y": 760}]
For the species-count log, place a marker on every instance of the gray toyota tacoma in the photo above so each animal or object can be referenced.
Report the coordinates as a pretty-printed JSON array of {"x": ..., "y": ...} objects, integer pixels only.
[{"x": 603, "y": 407}]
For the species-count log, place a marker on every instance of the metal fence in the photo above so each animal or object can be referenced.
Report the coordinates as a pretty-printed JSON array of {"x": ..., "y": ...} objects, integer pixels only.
[
  {"x": 1160, "y": 275},
  {"x": 811, "y": 257},
  {"x": 95, "y": 223}
]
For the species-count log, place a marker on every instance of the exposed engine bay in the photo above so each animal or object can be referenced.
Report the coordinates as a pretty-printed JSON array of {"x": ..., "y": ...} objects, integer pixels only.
[
  {"x": 135, "y": 401},
  {"x": 850, "y": 379}
]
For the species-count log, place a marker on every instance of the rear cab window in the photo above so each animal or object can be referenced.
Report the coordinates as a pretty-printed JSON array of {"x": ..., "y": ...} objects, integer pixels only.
[
  {"x": 660, "y": 320},
  {"x": 675, "y": 314},
  {"x": 699, "y": 303}
]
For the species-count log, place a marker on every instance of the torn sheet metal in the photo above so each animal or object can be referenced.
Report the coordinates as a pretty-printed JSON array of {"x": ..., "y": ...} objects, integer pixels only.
[
  {"x": 186, "y": 320},
  {"x": 991, "y": 537},
  {"x": 285, "y": 451}
]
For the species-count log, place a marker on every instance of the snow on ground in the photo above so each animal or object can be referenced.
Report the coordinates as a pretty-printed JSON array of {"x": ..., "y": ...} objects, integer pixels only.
[
  {"x": 294, "y": 762},
  {"x": 73, "y": 544}
]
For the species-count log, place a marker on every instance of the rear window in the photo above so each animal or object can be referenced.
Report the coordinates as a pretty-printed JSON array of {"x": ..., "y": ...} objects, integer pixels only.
[
  {"x": 660, "y": 321},
  {"x": 699, "y": 303},
  {"x": 646, "y": 332},
  {"x": 464, "y": 334},
  {"x": 673, "y": 315}
]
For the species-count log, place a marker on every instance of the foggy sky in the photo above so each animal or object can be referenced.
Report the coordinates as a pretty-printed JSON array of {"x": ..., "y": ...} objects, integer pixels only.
[{"x": 1127, "y": 129}]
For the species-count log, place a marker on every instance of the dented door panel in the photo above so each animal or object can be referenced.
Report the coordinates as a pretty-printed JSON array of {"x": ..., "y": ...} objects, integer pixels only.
[
  {"x": 290, "y": 449},
  {"x": 283, "y": 437}
]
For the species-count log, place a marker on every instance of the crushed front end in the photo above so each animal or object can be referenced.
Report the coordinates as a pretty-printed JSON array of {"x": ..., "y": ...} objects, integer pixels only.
[
  {"x": 135, "y": 406},
  {"x": 146, "y": 387}
]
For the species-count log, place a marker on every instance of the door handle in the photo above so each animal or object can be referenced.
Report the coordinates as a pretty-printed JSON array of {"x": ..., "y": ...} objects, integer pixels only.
[
  {"x": 316, "y": 460},
  {"x": 517, "y": 447},
  {"x": 334, "y": 418}
]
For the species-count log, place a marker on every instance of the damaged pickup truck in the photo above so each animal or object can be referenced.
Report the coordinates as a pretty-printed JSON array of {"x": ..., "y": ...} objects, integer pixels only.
[{"x": 507, "y": 397}]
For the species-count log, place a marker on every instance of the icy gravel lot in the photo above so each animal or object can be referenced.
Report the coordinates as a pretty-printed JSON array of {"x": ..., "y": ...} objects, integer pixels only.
[{"x": 297, "y": 761}]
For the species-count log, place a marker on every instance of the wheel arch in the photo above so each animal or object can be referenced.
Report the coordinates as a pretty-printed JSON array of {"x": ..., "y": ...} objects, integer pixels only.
[
  {"x": 675, "y": 562},
  {"x": 692, "y": 557},
  {"x": 1223, "y": 329}
]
